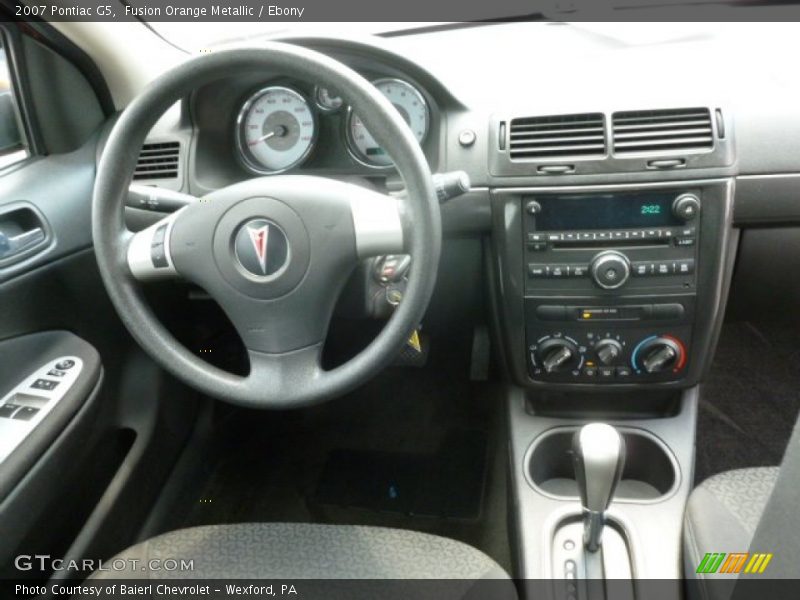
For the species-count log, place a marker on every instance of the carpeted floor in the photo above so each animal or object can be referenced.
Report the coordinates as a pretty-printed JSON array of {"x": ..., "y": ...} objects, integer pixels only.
[
  {"x": 436, "y": 439},
  {"x": 751, "y": 400}
]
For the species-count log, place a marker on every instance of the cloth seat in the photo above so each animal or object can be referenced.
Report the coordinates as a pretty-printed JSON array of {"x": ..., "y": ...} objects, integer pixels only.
[
  {"x": 302, "y": 551},
  {"x": 721, "y": 516}
]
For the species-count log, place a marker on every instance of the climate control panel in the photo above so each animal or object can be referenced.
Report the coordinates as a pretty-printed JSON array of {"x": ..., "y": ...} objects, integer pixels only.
[{"x": 597, "y": 355}]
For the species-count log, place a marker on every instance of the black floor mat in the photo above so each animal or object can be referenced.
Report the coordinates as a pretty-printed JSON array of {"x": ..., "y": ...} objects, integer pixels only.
[
  {"x": 430, "y": 433},
  {"x": 446, "y": 484},
  {"x": 751, "y": 399}
]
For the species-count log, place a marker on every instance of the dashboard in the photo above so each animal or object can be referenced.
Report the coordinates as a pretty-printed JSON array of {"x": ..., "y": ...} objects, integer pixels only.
[{"x": 576, "y": 231}]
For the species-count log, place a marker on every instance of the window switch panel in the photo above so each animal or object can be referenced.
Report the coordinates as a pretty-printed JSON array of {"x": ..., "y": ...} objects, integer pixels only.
[
  {"x": 44, "y": 384},
  {"x": 8, "y": 409},
  {"x": 25, "y": 413}
]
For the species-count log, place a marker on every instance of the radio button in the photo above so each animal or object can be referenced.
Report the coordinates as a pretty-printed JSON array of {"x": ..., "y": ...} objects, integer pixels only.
[
  {"x": 559, "y": 271},
  {"x": 684, "y": 267},
  {"x": 641, "y": 269},
  {"x": 602, "y": 235},
  {"x": 619, "y": 235},
  {"x": 538, "y": 247},
  {"x": 684, "y": 241},
  {"x": 623, "y": 372},
  {"x": 554, "y": 237},
  {"x": 536, "y": 237},
  {"x": 570, "y": 237},
  {"x": 538, "y": 271},
  {"x": 663, "y": 268},
  {"x": 578, "y": 270},
  {"x": 586, "y": 236},
  {"x": 533, "y": 207},
  {"x": 651, "y": 234}
]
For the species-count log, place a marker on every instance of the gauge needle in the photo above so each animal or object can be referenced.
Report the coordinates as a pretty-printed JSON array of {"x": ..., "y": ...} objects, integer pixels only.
[{"x": 280, "y": 131}]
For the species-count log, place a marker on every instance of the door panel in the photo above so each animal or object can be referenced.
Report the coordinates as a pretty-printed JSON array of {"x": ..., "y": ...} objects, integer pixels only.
[{"x": 82, "y": 482}]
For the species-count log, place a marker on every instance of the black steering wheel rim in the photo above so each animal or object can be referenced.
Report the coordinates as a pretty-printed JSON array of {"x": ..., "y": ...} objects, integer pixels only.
[{"x": 272, "y": 388}]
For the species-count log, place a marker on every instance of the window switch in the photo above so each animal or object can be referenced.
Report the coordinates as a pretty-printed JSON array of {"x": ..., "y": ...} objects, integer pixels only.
[
  {"x": 26, "y": 413},
  {"x": 44, "y": 384},
  {"x": 56, "y": 373},
  {"x": 8, "y": 409}
]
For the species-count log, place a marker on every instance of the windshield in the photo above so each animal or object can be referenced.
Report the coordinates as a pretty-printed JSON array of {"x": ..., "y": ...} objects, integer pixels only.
[{"x": 193, "y": 36}]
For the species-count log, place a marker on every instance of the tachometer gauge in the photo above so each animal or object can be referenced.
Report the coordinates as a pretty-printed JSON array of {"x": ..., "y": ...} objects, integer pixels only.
[
  {"x": 411, "y": 106},
  {"x": 327, "y": 99},
  {"x": 276, "y": 130}
]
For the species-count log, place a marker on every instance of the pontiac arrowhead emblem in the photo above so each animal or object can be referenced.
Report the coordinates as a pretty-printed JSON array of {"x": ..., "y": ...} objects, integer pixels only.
[
  {"x": 259, "y": 237},
  {"x": 261, "y": 248}
]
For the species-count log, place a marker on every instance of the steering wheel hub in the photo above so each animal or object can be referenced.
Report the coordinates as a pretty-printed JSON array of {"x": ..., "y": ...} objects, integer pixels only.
[{"x": 237, "y": 235}]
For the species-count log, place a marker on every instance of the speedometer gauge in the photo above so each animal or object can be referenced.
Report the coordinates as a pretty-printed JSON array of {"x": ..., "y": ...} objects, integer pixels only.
[
  {"x": 411, "y": 106},
  {"x": 276, "y": 130}
]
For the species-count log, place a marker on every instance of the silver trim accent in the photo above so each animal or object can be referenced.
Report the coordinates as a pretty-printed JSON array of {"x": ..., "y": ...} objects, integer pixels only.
[
  {"x": 14, "y": 431},
  {"x": 353, "y": 151},
  {"x": 243, "y": 154},
  {"x": 139, "y": 254},
  {"x": 535, "y": 189},
  {"x": 377, "y": 223}
]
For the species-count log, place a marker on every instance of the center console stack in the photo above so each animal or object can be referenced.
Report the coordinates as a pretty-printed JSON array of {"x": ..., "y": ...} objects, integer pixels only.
[
  {"x": 614, "y": 285},
  {"x": 609, "y": 300}
]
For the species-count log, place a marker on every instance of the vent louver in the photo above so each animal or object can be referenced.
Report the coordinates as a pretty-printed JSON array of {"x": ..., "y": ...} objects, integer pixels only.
[
  {"x": 158, "y": 161},
  {"x": 557, "y": 136},
  {"x": 669, "y": 130}
]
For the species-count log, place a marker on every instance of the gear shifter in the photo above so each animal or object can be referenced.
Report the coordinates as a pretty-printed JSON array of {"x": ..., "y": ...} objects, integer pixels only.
[{"x": 598, "y": 454}]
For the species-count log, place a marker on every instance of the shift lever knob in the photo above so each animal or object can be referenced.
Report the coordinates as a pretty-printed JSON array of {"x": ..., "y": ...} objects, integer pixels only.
[{"x": 598, "y": 453}]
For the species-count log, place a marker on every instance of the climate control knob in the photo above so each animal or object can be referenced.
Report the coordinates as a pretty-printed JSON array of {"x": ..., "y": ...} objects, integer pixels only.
[
  {"x": 658, "y": 354},
  {"x": 557, "y": 355},
  {"x": 610, "y": 269},
  {"x": 608, "y": 351}
]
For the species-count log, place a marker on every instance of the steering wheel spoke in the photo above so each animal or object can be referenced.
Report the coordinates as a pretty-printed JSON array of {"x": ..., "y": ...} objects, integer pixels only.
[
  {"x": 289, "y": 374},
  {"x": 378, "y": 223}
]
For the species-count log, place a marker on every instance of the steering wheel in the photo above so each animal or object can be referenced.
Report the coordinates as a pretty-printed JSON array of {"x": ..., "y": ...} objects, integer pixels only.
[{"x": 274, "y": 252}]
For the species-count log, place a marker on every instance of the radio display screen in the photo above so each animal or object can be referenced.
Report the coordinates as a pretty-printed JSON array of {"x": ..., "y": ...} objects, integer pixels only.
[{"x": 605, "y": 211}]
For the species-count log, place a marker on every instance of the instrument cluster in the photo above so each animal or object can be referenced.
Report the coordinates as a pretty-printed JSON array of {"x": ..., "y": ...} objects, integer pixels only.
[{"x": 278, "y": 125}]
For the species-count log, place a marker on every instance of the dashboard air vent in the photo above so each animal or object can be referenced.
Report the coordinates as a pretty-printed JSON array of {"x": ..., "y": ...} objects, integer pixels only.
[
  {"x": 669, "y": 130},
  {"x": 557, "y": 136},
  {"x": 158, "y": 161}
]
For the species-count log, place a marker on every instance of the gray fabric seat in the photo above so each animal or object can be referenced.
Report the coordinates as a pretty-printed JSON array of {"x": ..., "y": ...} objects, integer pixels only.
[
  {"x": 308, "y": 551},
  {"x": 722, "y": 515}
]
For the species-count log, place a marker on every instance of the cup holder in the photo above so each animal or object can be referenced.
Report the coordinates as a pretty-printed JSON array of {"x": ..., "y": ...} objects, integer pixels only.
[{"x": 650, "y": 472}]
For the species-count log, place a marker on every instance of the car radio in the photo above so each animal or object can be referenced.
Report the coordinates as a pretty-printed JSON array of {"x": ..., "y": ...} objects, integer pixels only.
[{"x": 610, "y": 284}]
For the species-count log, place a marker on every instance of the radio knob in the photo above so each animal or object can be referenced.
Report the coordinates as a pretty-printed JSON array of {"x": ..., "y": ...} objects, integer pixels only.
[
  {"x": 610, "y": 269},
  {"x": 608, "y": 351},
  {"x": 686, "y": 207},
  {"x": 557, "y": 355}
]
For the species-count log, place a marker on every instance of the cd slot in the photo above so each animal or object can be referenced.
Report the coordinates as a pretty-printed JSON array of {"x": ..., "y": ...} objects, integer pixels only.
[{"x": 611, "y": 243}]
